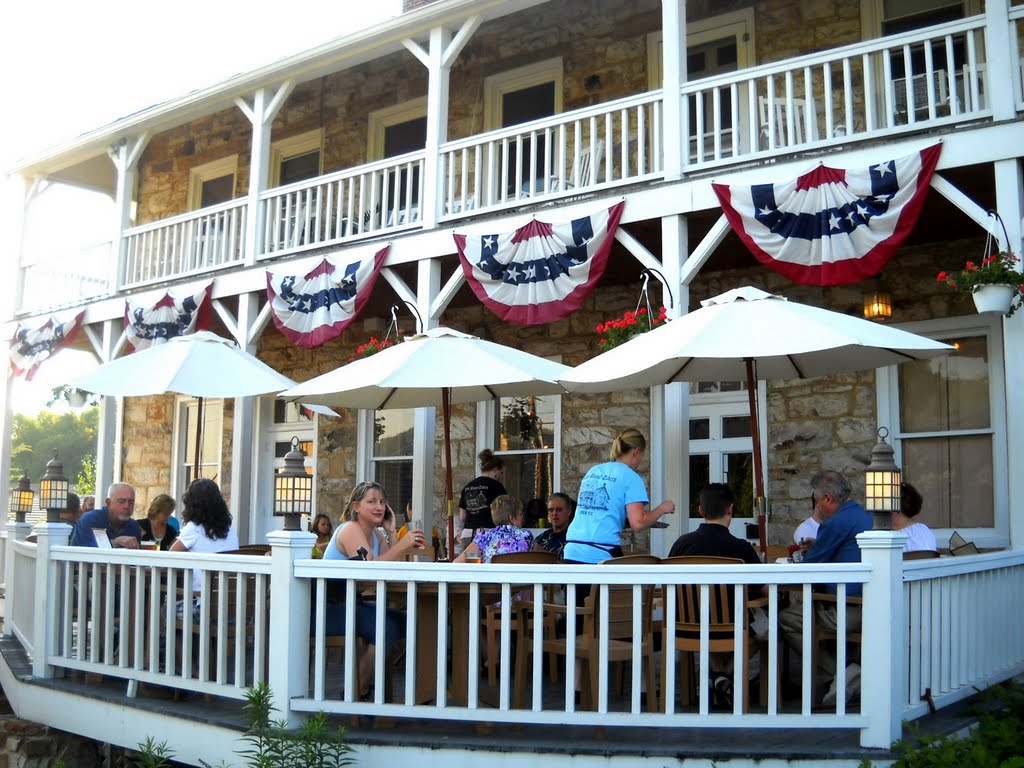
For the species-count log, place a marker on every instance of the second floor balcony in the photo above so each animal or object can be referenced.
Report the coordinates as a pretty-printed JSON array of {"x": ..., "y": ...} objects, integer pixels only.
[{"x": 928, "y": 81}]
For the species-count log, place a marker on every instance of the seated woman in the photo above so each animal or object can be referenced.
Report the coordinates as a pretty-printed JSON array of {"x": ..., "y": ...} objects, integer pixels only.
[
  {"x": 919, "y": 536},
  {"x": 155, "y": 526},
  {"x": 366, "y": 510},
  {"x": 507, "y": 535},
  {"x": 323, "y": 529},
  {"x": 207, "y": 528}
]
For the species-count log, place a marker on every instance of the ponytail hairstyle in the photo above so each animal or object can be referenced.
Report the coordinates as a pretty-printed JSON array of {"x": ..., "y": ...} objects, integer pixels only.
[
  {"x": 626, "y": 442},
  {"x": 490, "y": 462}
]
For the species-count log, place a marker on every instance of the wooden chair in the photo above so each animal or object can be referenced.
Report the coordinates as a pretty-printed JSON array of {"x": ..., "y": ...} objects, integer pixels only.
[
  {"x": 822, "y": 634},
  {"x": 492, "y": 613},
  {"x": 619, "y": 609},
  {"x": 775, "y": 551},
  {"x": 921, "y": 554},
  {"x": 721, "y": 630}
]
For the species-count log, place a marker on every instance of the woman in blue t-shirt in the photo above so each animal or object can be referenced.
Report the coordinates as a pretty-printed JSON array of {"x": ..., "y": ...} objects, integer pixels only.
[{"x": 610, "y": 494}]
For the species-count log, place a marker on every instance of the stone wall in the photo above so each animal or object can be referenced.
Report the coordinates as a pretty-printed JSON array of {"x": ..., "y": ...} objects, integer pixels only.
[{"x": 24, "y": 744}]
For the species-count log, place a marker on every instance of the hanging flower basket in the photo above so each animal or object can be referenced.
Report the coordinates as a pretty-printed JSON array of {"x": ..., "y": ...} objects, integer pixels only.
[
  {"x": 375, "y": 345},
  {"x": 619, "y": 330},
  {"x": 994, "y": 298}
]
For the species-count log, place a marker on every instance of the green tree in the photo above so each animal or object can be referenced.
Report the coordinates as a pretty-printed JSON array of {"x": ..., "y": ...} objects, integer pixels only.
[{"x": 34, "y": 439}]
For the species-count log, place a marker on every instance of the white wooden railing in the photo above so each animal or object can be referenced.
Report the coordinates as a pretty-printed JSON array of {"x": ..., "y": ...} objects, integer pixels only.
[
  {"x": 67, "y": 278},
  {"x": 193, "y": 243},
  {"x": 378, "y": 197},
  {"x": 107, "y": 612},
  {"x": 610, "y": 144},
  {"x": 852, "y": 92},
  {"x": 963, "y": 626}
]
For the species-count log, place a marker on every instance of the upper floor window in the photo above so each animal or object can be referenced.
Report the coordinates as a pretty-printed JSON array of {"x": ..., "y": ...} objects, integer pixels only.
[
  {"x": 948, "y": 424},
  {"x": 296, "y": 158},
  {"x": 212, "y": 183}
]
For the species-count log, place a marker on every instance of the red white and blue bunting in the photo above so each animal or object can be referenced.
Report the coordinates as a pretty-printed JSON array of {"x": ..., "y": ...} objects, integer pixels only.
[
  {"x": 172, "y": 316},
  {"x": 831, "y": 226},
  {"x": 314, "y": 308},
  {"x": 541, "y": 272},
  {"x": 31, "y": 346}
]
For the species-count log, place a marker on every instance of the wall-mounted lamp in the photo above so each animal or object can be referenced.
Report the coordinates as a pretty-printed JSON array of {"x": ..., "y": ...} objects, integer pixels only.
[
  {"x": 877, "y": 305},
  {"x": 53, "y": 489},
  {"x": 21, "y": 498},
  {"x": 882, "y": 482},
  {"x": 593, "y": 83},
  {"x": 293, "y": 488}
]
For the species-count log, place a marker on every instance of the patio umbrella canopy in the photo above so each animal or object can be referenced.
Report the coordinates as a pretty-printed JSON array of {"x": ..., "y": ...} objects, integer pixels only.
[
  {"x": 434, "y": 369},
  {"x": 200, "y": 365},
  {"x": 747, "y": 334}
]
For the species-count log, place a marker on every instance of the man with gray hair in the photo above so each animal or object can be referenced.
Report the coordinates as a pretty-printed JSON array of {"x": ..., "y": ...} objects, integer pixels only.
[
  {"x": 115, "y": 518},
  {"x": 843, "y": 519}
]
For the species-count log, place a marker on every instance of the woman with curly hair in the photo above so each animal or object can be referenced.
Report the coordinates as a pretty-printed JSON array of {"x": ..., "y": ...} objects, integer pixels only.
[{"x": 207, "y": 524}]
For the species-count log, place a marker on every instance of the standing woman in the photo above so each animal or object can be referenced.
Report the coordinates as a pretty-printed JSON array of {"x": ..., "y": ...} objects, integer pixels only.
[
  {"x": 610, "y": 494},
  {"x": 476, "y": 497}
]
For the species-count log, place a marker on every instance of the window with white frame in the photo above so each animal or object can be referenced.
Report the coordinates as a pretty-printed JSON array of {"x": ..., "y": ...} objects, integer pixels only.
[
  {"x": 527, "y": 430},
  {"x": 947, "y": 422},
  {"x": 721, "y": 444},
  {"x": 209, "y": 439},
  {"x": 296, "y": 158},
  {"x": 212, "y": 183},
  {"x": 391, "y": 453}
]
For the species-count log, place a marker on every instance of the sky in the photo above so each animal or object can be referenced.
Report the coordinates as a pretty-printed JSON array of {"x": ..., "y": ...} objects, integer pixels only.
[{"x": 69, "y": 67}]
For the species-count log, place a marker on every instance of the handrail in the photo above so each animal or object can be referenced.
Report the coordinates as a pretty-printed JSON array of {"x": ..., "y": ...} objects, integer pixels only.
[{"x": 210, "y": 210}]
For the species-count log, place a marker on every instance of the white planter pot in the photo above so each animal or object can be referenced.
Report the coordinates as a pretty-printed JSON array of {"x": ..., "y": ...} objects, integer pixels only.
[{"x": 993, "y": 298}]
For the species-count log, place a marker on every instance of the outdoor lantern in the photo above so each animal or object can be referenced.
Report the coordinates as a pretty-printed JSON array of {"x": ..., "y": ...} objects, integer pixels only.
[
  {"x": 877, "y": 305},
  {"x": 21, "y": 498},
  {"x": 53, "y": 489},
  {"x": 882, "y": 491},
  {"x": 293, "y": 488}
]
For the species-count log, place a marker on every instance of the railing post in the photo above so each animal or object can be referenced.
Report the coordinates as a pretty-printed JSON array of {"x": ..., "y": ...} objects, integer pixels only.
[
  {"x": 15, "y": 532},
  {"x": 884, "y": 649},
  {"x": 289, "y": 621},
  {"x": 44, "y": 618}
]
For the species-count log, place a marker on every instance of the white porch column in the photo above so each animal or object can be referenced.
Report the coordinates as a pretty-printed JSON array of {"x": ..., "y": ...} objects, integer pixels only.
[
  {"x": 289, "y": 622},
  {"x": 444, "y": 49},
  {"x": 243, "y": 445},
  {"x": 1010, "y": 203},
  {"x": 673, "y": 68},
  {"x": 48, "y": 595},
  {"x": 884, "y": 634},
  {"x": 1000, "y": 64},
  {"x": 428, "y": 284},
  {"x": 261, "y": 112},
  {"x": 670, "y": 406},
  {"x": 108, "y": 464},
  {"x": 125, "y": 156},
  {"x": 15, "y": 532}
]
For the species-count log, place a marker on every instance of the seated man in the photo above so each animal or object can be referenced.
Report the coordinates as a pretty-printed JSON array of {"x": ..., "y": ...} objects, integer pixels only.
[
  {"x": 713, "y": 539},
  {"x": 115, "y": 518},
  {"x": 561, "y": 510},
  {"x": 843, "y": 519}
]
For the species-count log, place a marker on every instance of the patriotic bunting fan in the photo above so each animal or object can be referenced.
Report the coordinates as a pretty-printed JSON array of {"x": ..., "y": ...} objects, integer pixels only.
[
  {"x": 831, "y": 226},
  {"x": 31, "y": 346},
  {"x": 541, "y": 272},
  {"x": 172, "y": 316}
]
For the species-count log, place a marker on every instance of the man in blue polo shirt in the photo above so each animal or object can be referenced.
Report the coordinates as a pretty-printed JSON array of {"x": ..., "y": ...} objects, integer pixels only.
[
  {"x": 115, "y": 518},
  {"x": 836, "y": 543}
]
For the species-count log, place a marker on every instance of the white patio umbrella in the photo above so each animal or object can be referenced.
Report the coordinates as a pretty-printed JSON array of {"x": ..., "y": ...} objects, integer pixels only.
[
  {"x": 200, "y": 365},
  {"x": 435, "y": 368},
  {"x": 747, "y": 334}
]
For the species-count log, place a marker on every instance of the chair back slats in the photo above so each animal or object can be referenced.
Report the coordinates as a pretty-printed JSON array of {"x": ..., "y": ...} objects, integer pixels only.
[
  {"x": 531, "y": 557},
  {"x": 688, "y": 601}
]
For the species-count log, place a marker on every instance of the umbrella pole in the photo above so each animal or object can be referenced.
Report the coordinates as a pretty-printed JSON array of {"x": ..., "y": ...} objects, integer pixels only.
[
  {"x": 755, "y": 433},
  {"x": 446, "y": 418},
  {"x": 197, "y": 457}
]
